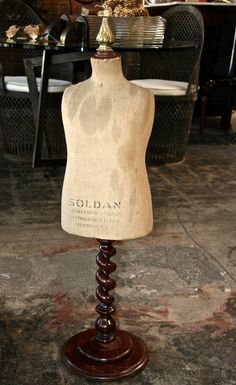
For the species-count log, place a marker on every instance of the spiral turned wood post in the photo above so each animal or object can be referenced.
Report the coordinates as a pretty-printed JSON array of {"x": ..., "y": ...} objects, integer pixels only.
[
  {"x": 105, "y": 324},
  {"x": 104, "y": 352}
]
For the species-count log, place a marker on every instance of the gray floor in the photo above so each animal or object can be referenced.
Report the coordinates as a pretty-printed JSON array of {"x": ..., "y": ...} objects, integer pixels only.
[{"x": 175, "y": 288}]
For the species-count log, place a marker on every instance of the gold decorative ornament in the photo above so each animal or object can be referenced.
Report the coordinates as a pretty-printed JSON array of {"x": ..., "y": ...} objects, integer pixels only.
[
  {"x": 105, "y": 37},
  {"x": 34, "y": 30},
  {"x": 12, "y": 31},
  {"x": 122, "y": 8}
]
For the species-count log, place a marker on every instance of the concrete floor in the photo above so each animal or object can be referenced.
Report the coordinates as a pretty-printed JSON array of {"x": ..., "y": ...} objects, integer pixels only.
[{"x": 175, "y": 288}]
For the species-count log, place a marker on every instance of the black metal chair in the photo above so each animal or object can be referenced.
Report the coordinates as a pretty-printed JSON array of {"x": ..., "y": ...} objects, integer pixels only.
[
  {"x": 218, "y": 85},
  {"x": 16, "y": 115},
  {"x": 172, "y": 75}
]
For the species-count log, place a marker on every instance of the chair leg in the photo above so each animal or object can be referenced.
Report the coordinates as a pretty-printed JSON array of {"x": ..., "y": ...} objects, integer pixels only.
[
  {"x": 202, "y": 114},
  {"x": 226, "y": 116}
]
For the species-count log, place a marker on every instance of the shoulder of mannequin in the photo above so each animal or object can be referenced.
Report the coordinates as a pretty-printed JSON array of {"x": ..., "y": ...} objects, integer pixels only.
[{"x": 75, "y": 87}]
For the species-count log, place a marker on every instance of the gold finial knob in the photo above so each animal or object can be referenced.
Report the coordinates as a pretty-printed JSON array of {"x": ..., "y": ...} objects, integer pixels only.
[{"x": 105, "y": 37}]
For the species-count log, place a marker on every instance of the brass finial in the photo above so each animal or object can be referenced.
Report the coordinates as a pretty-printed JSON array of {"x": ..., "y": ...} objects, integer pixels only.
[{"x": 105, "y": 37}]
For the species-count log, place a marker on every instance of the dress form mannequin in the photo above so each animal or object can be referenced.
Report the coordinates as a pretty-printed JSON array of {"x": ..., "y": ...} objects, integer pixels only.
[
  {"x": 107, "y": 134},
  {"x": 106, "y": 195}
]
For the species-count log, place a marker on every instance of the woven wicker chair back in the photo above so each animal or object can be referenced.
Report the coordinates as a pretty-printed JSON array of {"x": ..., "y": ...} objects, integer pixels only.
[
  {"x": 184, "y": 29},
  {"x": 14, "y": 12},
  {"x": 173, "y": 116}
]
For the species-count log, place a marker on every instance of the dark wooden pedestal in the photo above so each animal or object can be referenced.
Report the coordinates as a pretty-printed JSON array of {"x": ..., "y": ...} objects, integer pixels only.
[{"x": 105, "y": 353}]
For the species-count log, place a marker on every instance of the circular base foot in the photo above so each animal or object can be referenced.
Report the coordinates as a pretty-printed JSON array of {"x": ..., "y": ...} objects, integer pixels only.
[{"x": 123, "y": 357}]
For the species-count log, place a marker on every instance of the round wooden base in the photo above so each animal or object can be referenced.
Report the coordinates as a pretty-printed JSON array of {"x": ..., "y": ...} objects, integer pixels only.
[{"x": 125, "y": 356}]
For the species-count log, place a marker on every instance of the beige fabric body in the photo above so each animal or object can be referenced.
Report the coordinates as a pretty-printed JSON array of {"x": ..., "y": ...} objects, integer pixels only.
[{"x": 107, "y": 122}]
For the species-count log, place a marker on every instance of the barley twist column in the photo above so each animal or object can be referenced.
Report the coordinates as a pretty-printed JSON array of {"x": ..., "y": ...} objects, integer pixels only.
[{"x": 105, "y": 324}]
